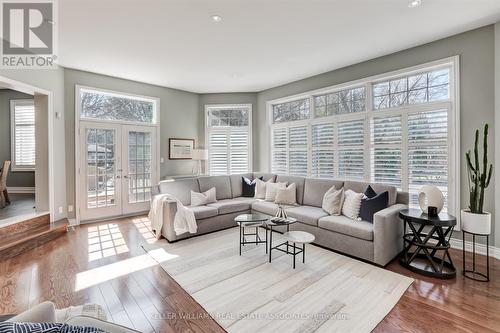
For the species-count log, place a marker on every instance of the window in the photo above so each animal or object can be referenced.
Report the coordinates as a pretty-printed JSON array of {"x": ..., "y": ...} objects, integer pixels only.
[
  {"x": 229, "y": 138},
  {"x": 290, "y": 111},
  {"x": 22, "y": 114},
  {"x": 104, "y": 105},
  {"x": 339, "y": 102},
  {"x": 414, "y": 89},
  {"x": 403, "y": 134}
]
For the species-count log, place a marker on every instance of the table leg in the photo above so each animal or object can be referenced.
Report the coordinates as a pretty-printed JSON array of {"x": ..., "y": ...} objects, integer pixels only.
[
  {"x": 266, "y": 239},
  {"x": 270, "y": 242},
  {"x": 303, "y": 253},
  {"x": 293, "y": 255},
  {"x": 240, "y": 239}
]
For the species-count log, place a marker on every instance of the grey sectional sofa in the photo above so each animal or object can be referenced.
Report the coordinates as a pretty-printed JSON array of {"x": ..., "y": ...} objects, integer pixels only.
[{"x": 378, "y": 242}]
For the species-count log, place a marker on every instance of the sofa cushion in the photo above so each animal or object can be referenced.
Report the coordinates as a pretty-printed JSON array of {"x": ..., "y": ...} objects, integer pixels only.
[
  {"x": 222, "y": 185},
  {"x": 360, "y": 187},
  {"x": 306, "y": 214},
  {"x": 265, "y": 176},
  {"x": 236, "y": 187},
  {"x": 299, "y": 182},
  {"x": 266, "y": 207},
  {"x": 180, "y": 188},
  {"x": 315, "y": 189},
  {"x": 203, "y": 212},
  {"x": 231, "y": 205},
  {"x": 346, "y": 226}
]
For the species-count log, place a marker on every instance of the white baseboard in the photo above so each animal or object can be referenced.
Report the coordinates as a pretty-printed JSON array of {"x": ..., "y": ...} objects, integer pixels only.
[
  {"x": 480, "y": 248},
  {"x": 13, "y": 189}
]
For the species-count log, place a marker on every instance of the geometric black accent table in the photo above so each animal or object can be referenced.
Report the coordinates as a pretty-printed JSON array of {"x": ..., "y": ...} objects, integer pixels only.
[
  {"x": 473, "y": 274},
  {"x": 248, "y": 221},
  {"x": 285, "y": 246},
  {"x": 419, "y": 254}
]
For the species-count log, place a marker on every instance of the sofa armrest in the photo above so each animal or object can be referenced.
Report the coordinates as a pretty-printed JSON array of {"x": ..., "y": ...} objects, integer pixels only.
[
  {"x": 42, "y": 313},
  {"x": 387, "y": 234},
  {"x": 169, "y": 211}
]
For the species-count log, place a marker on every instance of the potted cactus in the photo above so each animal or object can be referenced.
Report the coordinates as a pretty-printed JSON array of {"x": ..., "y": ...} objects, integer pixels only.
[{"x": 474, "y": 219}]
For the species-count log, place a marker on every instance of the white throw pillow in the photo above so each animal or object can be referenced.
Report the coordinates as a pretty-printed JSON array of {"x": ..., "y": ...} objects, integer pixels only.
[
  {"x": 333, "y": 201},
  {"x": 260, "y": 188},
  {"x": 287, "y": 196},
  {"x": 352, "y": 204},
  {"x": 200, "y": 199},
  {"x": 271, "y": 190}
]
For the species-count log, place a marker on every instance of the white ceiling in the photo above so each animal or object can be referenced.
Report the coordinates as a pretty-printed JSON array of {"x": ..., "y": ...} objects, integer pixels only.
[{"x": 259, "y": 43}]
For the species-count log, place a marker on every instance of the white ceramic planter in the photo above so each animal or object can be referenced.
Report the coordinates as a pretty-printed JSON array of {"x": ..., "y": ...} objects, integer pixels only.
[{"x": 475, "y": 223}]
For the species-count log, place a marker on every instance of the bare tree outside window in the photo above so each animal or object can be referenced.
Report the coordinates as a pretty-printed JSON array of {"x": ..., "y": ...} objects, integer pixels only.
[{"x": 104, "y": 106}]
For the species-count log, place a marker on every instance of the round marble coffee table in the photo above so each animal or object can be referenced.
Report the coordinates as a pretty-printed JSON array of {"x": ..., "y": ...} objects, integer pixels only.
[{"x": 298, "y": 237}]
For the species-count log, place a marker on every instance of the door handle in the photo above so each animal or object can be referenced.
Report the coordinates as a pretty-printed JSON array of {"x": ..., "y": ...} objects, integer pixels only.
[
  {"x": 118, "y": 176},
  {"x": 125, "y": 176}
]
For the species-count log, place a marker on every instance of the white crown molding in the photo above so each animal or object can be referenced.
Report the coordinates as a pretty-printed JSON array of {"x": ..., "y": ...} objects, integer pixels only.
[{"x": 14, "y": 189}]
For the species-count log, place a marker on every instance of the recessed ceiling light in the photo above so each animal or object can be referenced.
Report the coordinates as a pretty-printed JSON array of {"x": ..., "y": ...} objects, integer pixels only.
[
  {"x": 216, "y": 18},
  {"x": 415, "y": 3}
]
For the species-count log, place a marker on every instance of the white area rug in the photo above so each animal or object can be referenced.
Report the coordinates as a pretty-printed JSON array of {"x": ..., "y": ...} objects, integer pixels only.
[{"x": 329, "y": 293}]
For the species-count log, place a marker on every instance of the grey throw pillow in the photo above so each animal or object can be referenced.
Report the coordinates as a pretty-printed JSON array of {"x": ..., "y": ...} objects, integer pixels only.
[{"x": 333, "y": 201}]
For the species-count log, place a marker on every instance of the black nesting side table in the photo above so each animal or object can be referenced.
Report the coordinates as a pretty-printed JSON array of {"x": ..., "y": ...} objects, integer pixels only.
[
  {"x": 251, "y": 221},
  {"x": 426, "y": 251}
]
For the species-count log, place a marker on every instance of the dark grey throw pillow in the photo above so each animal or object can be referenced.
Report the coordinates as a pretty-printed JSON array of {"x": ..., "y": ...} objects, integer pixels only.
[
  {"x": 369, "y": 192},
  {"x": 369, "y": 206},
  {"x": 248, "y": 187}
]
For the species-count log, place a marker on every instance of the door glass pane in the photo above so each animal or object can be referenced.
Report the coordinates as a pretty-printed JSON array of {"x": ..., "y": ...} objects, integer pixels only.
[
  {"x": 100, "y": 167},
  {"x": 139, "y": 170}
]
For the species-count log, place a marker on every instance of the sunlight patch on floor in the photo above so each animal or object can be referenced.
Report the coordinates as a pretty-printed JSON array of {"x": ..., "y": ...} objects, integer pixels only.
[
  {"x": 112, "y": 271},
  {"x": 144, "y": 226},
  {"x": 104, "y": 241}
]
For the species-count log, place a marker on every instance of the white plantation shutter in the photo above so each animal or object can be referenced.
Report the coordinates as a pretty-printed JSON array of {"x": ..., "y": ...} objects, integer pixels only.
[
  {"x": 279, "y": 151},
  {"x": 427, "y": 152},
  {"x": 229, "y": 145},
  {"x": 351, "y": 149},
  {"x": 297, "y": 142},
  {"x": 238, "y": 151},
  {"x": 218, "y": 154},
  {"x": 386, "y": 137},
  {"x": 23, "y": 134},
  {"x": 322, "y": 150}
]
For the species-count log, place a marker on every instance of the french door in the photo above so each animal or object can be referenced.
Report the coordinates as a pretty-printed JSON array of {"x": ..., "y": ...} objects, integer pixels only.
[{"x": 117, "y": 169}]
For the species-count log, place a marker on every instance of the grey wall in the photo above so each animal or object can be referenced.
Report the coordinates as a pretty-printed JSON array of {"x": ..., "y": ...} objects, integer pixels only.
[
  {"x": 18, "y": 178},
  {"x": 224, "y": 98},
  {"x": 496, "y": 184},
  {"x": 179, "y": 117},
  {"x": 51, "y": 80},
  {"x": 477, "y": 59},
  {"x": 42, "y": 153}
]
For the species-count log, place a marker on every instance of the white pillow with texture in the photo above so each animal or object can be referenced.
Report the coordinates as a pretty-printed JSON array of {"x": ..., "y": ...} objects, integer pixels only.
[
  {"x": 200, "y": 199},
  {"x": 352, "y": 204},
  {"x": 272, "y": 189},
  {"x": 333, "y": 201},
  {"x": 260, "y": 188},
  {"x": 286, "y": 196}
]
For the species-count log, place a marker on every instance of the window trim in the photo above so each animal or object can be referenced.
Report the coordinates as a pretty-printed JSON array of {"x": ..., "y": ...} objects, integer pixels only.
[
  {"x": 209, "y": 107},
  {"x": 14, "y": 166},
  {"x": 452, "y": 105},
  {"x": 154, "y": 100}
]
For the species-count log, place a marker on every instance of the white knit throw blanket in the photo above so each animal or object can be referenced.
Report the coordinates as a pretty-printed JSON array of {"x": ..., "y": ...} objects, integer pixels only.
[{"x": 184, "y": 220}]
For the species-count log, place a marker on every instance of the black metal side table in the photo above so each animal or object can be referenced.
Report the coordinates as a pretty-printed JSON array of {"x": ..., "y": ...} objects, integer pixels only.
[
  {"x": 281, "y": 247},
  {"x": 421, "y": 248},
  {"x": 473, "y": 274},
  {"x": 251, "y": 220}
]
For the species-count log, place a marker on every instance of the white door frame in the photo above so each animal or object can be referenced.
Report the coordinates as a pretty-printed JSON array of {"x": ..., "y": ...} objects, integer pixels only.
[
  {"x": 156, "y": 125},
  {"x": 32, "y": 90}
]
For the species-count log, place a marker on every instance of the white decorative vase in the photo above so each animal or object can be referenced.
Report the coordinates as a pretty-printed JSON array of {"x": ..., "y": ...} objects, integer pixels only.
[
  {"x": 432, "y": 195},
  {"x": 475, "y": 223}
]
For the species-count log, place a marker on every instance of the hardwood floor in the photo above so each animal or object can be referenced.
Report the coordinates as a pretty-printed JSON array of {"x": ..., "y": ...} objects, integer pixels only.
[{"x": 102, "y": 263}]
